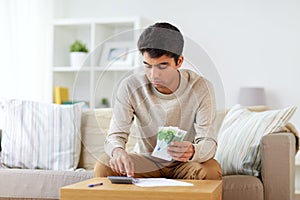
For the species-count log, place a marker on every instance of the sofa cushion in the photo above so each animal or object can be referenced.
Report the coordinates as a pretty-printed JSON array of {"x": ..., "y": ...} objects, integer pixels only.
[
  {"x": 40, "y": 135},
  {"x": 94, "y": 126},
  {"x": 37, "y": 184},
  {"x": 103, "y": 117},
  {"x": 242, "y": 187},
  {"x": 240, "y": 134}
]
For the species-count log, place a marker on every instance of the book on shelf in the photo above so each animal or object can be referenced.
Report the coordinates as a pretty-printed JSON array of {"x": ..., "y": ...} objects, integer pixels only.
[
  {"x": 61, "y": 94},
  {"x": 85, "y": 103}
]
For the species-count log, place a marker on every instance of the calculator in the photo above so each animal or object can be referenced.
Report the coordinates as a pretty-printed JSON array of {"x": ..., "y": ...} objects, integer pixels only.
[{"x": 122, "y": 179}]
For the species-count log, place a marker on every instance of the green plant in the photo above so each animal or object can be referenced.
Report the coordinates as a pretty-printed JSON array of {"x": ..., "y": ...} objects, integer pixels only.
[
  {"x": 78, "y": 46},
  {"x": 104, "y": 101}
]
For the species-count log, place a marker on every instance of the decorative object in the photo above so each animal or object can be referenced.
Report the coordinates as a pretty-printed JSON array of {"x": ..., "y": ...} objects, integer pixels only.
[
  {"x": 117, "y": 54},
  {"x": 78, "y": 53},
  {"x": 239, "y": 138},
  {"x": 39, "y": 135},
  {"x": 252, "y": 96},
  {"x": 60, "y": 95},
  {"x": 104, "y": 103}
]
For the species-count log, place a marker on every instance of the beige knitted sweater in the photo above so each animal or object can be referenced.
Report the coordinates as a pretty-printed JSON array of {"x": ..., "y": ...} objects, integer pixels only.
[{"x": 191, "y": 107}]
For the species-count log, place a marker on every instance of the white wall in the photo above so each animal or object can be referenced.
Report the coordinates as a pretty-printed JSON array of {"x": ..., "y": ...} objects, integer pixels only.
[{"x": 253, "y": 43}]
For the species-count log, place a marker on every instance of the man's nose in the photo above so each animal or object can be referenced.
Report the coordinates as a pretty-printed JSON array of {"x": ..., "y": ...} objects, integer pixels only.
[{"x": 154, "y": 72}]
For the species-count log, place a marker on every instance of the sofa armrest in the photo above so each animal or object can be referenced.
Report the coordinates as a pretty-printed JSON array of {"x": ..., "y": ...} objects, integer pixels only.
[{"x": 278, "y": 166}]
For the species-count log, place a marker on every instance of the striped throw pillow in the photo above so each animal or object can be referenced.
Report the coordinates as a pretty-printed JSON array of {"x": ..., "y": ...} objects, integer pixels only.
[
  {"x": 41, "y": 136},
  {"x": 240, "y": 134}
]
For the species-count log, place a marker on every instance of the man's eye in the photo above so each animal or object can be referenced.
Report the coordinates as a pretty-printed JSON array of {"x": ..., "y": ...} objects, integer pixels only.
[
  {"x": 162, "y": 66},
  {"x": 148, "y": 66}
]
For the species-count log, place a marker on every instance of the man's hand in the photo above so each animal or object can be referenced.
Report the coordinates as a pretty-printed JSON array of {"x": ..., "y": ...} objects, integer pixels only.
[
  {"x": 181, "y": 151},
  {"x": 121, "y": 162}
]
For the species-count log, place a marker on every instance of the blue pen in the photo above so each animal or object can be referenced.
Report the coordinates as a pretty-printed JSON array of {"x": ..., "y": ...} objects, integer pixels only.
[{"x": 94, "y": 184}]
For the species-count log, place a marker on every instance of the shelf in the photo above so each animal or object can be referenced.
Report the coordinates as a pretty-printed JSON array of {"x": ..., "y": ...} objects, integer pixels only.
[
  {"x": 87, "y": 69},
  {"x": 126, "y": 68},
  {"x": 97, "y": 33},
  {"x": 71, "y": 69},
  {"x": 109, "y": 21}
]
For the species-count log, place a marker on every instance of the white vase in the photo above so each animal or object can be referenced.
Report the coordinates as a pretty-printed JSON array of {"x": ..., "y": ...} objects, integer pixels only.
[{"x": 77, "y": 58}]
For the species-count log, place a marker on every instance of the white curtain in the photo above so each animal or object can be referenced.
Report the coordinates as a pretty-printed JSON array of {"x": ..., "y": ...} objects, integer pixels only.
[{"x": 25, "y": 36}]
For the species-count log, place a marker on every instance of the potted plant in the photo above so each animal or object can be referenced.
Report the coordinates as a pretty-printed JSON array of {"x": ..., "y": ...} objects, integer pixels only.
[
  {"x": 104, "y": 103},
  {"x": 78, "y": 53}
]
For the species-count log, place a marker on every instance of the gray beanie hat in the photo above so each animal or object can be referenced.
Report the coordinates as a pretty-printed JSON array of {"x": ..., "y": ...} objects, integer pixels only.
[{"x": 161, "y": 38}]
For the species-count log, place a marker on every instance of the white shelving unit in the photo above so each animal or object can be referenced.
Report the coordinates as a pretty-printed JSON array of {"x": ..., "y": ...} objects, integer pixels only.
[{"x": 91, "y": 82}]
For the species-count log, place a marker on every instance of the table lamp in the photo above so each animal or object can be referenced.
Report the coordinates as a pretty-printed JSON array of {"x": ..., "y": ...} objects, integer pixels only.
[{"x": 252, "y": 96}]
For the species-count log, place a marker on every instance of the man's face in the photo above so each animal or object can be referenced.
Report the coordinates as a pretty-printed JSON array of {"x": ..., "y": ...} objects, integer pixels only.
[{"x": 162, "y": 72}]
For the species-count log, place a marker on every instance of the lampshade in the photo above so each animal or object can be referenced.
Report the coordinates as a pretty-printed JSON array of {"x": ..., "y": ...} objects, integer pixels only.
[{"x": 252, "y": 96}]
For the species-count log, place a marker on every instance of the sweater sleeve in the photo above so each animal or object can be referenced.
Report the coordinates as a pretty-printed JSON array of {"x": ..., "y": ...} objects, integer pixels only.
[
  {"x": 121, "y": 121},
  {"x": 205, "y": 143}
]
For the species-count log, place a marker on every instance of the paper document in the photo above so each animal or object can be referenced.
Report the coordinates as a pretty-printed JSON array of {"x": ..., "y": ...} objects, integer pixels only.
[{"x": 156, "y": 182}]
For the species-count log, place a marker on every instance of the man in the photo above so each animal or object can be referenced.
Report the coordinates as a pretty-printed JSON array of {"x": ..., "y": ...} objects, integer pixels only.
[{"x": 162, "y": 96}]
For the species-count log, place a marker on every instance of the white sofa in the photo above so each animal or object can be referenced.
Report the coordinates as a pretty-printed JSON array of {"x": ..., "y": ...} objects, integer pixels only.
[{"x": 276, "y": 182}]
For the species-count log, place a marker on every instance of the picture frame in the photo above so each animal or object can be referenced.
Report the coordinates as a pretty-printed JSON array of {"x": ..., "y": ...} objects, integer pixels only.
[{"x": 117, "y": 55}]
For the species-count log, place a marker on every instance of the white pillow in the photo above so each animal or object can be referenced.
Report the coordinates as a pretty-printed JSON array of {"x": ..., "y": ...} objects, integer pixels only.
[
  {"x": 41, "y": 136},
  {"x": 240, "y": 134}
]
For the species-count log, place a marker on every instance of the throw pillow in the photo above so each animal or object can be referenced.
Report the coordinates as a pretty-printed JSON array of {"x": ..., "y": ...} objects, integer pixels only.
[
  {"x": 40, "y": 135},
  {"x": 240, "y": 134}
]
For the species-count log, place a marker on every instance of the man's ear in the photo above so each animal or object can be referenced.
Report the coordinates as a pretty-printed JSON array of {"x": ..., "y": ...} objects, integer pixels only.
[{"x": 180, "y": 61}]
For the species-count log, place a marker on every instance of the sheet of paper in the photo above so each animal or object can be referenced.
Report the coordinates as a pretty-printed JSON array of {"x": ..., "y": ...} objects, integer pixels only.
[{"x": 157, "y": 182}]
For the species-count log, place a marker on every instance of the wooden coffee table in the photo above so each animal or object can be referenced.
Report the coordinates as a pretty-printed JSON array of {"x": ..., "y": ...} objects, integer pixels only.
[{"x": 202, "y": 190}]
